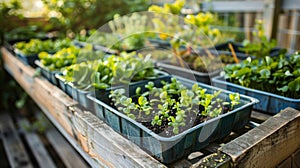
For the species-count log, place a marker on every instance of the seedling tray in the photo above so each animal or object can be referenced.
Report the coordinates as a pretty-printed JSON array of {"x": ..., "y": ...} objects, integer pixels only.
[
  {"x": 160, "y": 43},
  {"x": 241, "y": 54},
  {"x": 27, "y": 59},
  {"x": 81, "y": 95},
  {"x": 268, "y": 102},
  {"x": 131, "y": 87},
  {"x": 188, "y": 73},
  {"x": 170, "y": 149},
  {"x": 96, "y": 47},
  {"x": 49, "y": 75}
]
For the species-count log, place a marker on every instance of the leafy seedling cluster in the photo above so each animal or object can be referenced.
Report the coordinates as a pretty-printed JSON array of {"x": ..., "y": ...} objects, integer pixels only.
[
  {"x": 110, "y": 70},
  {"x": 172, "y": 108},
  {"x": 278, "y": 75},
  {"x": 35, "y": 46},
  {"x": 260, "y": 46}
]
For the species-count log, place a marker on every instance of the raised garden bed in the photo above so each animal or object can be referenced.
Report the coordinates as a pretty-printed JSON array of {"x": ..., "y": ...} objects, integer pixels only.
[
  {"x": 107, "y": 148},
  {"x": 170, "y": 148}
]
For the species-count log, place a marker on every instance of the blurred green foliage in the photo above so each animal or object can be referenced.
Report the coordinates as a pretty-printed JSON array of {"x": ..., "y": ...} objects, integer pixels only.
[
  {"x": 86, "y": 14},
  {"x": 8, "y": 11}
]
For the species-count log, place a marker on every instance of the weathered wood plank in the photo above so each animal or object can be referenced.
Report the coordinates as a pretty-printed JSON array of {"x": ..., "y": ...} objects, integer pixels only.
[
  {"x": 65, "y": 151},
  {"x": 39, "y": 151},
  {"x": 82, "y": 129},
  {"x": 290, "y": 4},
  {"x": 257, "y": 116},
  {"x": 285, "y": 164},
  {"x": 269, "y": 144},
  {"x": 216, "y": 160},
  {"x": 296, "y": 159},
  {"x": 13, "y": 145},
  {"x": 98, "y": 137},
  {"x": 233, "y": 6}
]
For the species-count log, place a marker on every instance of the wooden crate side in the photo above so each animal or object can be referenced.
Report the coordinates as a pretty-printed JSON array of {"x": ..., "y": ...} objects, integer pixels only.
[{"x": 269, "y": 144}]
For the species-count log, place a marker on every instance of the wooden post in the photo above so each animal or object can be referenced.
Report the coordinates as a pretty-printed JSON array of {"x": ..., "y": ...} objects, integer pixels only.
[
  {"x": 282, "y": 35},
  {"x": 293, "y": 28},
  {"x": 248, "y": 24},
  {"x": 271, "y": 15}
]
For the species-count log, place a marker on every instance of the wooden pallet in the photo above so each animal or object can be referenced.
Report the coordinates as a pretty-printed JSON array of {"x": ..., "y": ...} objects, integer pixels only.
[
  {"x": 25, "y": 148},
  {"x": 102, "y": 147}
]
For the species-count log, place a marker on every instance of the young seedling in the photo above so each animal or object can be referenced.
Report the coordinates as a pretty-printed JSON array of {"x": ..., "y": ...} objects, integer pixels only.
[{"x": 173, "y": 103}]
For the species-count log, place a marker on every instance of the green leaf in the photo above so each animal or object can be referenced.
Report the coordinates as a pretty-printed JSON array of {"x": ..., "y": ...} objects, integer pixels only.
[
  {"x": 294, "y": 85},
  {"x": 138, "y": 91},
  {"x": 288, "y": 73},
  {"x": 268, "y": 60},
  {"x": 175, "y": 130},
  {"x": 265, "y": 73},
  {"x": 142, "y": 100},
  {"x": 283, "y": 89}
]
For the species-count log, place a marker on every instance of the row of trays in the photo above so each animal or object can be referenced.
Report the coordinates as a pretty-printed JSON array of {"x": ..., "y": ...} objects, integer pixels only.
[
  {"x": 170, "y": 149},
  {"x": 165, "y": 149}
]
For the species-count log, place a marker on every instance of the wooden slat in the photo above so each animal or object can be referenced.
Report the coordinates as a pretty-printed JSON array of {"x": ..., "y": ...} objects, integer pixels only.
[
  {"x": 257, "y": 116},
  {"x": 269, "y": 144},
  {"x": 283, "y": 25},
  {"x": 249, "y": 23},
  {"x": 290, "y": 4},
  {"x": 14, "y": 148},
  {"x": 65, "y": 151},
  {"x": 233, "y": 6},
  {"x": 97, "y": 137},
  {"x": 90, "y": 136},
  {"x": 246, "y": 6},
  {"x": 35, "y": 144},
  {"x": 293, "y": 27},
  {"x": 216, "y": 160}
]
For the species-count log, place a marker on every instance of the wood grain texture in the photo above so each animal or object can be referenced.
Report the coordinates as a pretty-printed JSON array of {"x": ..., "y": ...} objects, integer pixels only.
[
  {"x": 65, "y": 151},
  {"x": 97, "y": 142},
  {"x": 98, "y": 137},
  {"x": 269, "y": 144},
  {"x": 14, "y": 147},
  {"x": 36, "y": 145},
  {"x": 259, "y": 117}
]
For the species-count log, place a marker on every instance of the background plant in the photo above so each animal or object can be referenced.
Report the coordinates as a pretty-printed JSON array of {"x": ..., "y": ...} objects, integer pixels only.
[
  {"x": 76, "y": 15},
  {"x": 278, "y": 75},
  {"x": 166, "y": 20},
  {"x": 260, "y": 46},
  {"x": 128, "y": 32},
  {"x": 35, "y": 46}
]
